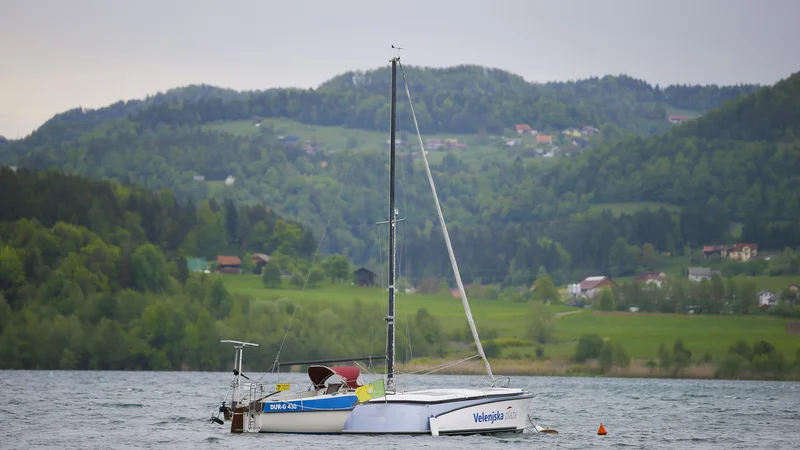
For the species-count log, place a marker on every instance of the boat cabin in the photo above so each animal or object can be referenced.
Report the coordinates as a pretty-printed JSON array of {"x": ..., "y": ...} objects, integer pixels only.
[{"x": 337, "y": 377}]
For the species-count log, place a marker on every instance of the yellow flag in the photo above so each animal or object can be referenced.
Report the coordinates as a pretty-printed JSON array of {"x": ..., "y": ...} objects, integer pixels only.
[{"x": 370, "y": 391}]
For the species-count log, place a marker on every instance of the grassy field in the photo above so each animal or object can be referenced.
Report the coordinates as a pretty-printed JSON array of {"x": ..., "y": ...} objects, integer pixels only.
[
  {"x": 776, "y": 284},
  {"x": 632, "y": 207},
  {"x": 336, "y": 138},
  {"x": 506, "y": 317},
  {"x": 332, "y": 138},
  {"x": 639, "y": 333}
]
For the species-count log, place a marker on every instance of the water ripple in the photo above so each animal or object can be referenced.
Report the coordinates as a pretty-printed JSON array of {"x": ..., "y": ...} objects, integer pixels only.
[{"x": 153, "y": 410}]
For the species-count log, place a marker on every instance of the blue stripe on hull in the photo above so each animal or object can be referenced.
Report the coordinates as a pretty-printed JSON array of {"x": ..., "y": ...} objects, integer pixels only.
[{"x": 338, "y": 402}]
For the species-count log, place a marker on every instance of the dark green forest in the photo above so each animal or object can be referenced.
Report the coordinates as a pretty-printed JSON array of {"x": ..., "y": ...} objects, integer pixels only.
[{"x": 93, "y": 276}]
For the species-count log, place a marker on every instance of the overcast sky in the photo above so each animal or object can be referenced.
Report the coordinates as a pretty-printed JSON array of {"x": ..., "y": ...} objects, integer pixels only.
[{"x": 59, "y": 54}]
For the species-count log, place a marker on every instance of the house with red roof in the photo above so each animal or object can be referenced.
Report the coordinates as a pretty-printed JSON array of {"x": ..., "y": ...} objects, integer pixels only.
[
  {"x": 736, "y": 252},
  {"x": 229, "y": 264},
  {"x": 524, "y": 128},
  {"x": 590, "y": 286},
  {"x": 655, "y": 278}
]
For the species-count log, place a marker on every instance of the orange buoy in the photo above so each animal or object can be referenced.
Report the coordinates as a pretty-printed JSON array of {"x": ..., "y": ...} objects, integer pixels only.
[{"x": 602, "y": 430}]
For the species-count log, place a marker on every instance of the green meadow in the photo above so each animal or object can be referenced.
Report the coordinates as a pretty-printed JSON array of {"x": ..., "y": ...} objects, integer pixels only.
[
  {"x": 639, "y": 333},
  {"x": 337, "y": 138},
  {"x": 506, "y": 317}
]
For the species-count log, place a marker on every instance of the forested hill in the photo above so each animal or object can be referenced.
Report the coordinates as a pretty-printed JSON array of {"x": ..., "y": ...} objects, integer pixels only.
[
  {"x": 511, "y": 214},
  {"x": 72, "y": 124},
  {"x": 467, "y": 99},
  {"x": 462, "y": 99},
  {"x": 92, "y": 276},
  {"x": 744, "y": 156},
  {"x": 65, "y": 239},
  {"x": 773, "y": 114}
]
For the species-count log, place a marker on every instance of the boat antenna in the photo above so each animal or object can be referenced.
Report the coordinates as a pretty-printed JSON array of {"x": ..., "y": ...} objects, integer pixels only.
[
  {"x": 398, "y": 51},
  {"x": 392, "y": 216}
]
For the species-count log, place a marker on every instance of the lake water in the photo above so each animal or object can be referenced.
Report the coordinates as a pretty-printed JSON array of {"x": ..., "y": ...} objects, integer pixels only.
[{"x": 155, "y": 410}]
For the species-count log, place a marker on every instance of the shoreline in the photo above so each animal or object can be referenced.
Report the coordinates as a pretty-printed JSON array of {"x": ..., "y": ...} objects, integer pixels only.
[{"x": 564, "y": 368}]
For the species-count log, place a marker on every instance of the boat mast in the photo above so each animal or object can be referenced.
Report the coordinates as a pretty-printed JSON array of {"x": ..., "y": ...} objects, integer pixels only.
[{"x": 392, "y": 216}]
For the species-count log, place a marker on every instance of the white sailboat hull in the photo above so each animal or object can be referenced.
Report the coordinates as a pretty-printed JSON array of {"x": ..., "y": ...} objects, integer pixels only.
[
  {"x": 494, "y": 417},
  {"x": 299, "y": 413},
  {"x": 442, "y": 412},
  {"x": 305, "y": 422}
]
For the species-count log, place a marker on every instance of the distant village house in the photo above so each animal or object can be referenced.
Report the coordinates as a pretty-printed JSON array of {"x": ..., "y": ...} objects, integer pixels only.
[
  {"x": 229, "y": 264},
  {"x": 229, "y": 181},
  {"x": 433, "y": 143},
  {"x": 588, "y": 131},
  {"x": 653, "y": 278},
  {"x": 524, "y": 128},
  {"x": 364, "y": 277},
  {"x": 735, "y": 252},
  {"x": 701, "y": 273},
  {"x": 196, "y": 264},
  {"x": 544, "y": 139},
  {"x": 590, "y": 286},
  {"x": 259, "y": 261},
  {"x": 767, "y": 299},
  {"x": 676, "y": 119},
  {"x": 742, "y": 252}
]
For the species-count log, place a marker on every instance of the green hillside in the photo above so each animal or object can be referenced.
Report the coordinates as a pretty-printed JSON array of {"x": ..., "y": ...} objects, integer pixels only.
[{"x": 513, "y": 213}]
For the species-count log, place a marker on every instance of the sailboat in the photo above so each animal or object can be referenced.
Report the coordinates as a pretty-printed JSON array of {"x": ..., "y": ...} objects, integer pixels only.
[
  {"x": 321, "y": 409},
  {"x": 351, "y": 407},
  {"x": 445, "y": 411}
]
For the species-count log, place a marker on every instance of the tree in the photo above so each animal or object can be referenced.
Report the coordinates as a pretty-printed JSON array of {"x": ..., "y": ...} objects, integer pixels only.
[
  {"x": 606, "y": 300},
  {"x": 232, "y": 222},
  {"x": 681, "y": 356},
  {"x": 541, "y": 326},
  {"x": 650, "y": 257},
  {"x": 545, "y": 289},
  {"x": 271, "y": 275},
  {"x": 149, "y": 269},
  {"x": 337, "y": 268},
  {"x": 589, "y": 346},
  {"x": 315, "y": 277},
  {"x": 12, "y": 273}
]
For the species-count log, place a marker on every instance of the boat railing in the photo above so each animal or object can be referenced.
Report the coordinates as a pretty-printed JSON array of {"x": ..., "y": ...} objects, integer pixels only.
[
  {"x": 254, "y": 401},
  {"x": 501, "y": 381}
]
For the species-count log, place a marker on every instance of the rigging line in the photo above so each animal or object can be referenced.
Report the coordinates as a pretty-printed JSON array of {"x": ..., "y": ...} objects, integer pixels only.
[
  {"x": 278, "y": 355},
  {"x": 453, "y": 262},
  {"x": 417, "y": 373},
  {"x": 313, "y": 261}
]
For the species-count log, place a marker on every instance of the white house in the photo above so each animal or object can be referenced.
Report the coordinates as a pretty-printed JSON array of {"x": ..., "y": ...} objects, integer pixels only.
[
  {"x": 700, "y": 273},
  {"x": 767, "y": 298},
  {"x": 590, "y": 286},
  {"x": 229, "y": 181}
]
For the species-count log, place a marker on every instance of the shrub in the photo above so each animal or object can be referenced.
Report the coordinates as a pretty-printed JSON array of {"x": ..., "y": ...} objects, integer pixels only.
[{"x": 589, "y": 346}]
